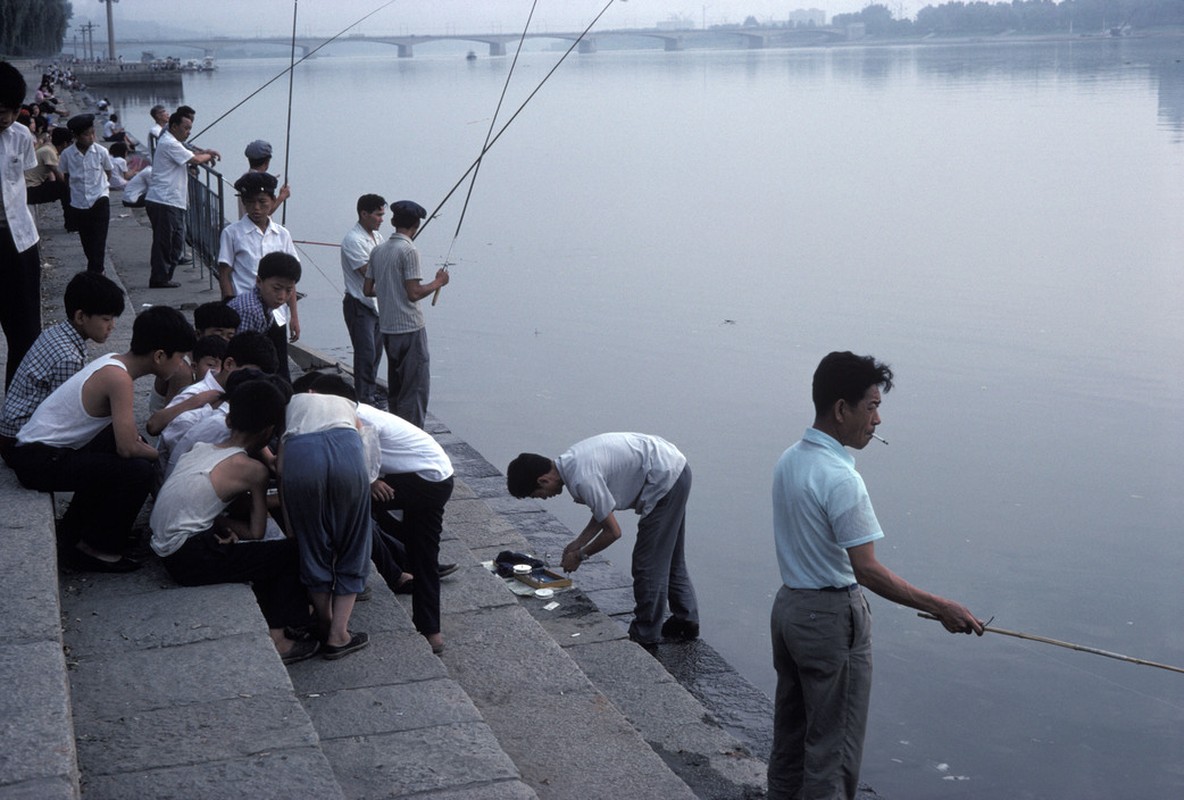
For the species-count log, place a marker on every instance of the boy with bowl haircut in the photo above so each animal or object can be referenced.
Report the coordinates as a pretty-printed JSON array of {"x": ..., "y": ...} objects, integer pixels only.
[
  {"x": 92, "y": 302},
  {"x": 210, "y": 319},
  {"x": 274, "y": 289},
  {"x": 83, "y": 439},
  {"x": 243, "y": 246},
  {"x": 87, "y": 167}
]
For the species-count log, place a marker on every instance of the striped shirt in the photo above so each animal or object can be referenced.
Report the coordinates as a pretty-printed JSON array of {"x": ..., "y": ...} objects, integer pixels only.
[{"x": 392, "y": 263}]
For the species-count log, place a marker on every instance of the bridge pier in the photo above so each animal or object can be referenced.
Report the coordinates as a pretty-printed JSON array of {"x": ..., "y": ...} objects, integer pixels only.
[
  {"x": 587, "y": 46},
  {"x": 497, "y": 48},
  {"x": 755, "y": 42},
  {"x": 674, "y": 44},
  {"x": 405, "y": 50}
]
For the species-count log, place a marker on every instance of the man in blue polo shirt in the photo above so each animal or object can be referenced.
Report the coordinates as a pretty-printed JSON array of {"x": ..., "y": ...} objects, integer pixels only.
[{"x": 825, "y": 531}]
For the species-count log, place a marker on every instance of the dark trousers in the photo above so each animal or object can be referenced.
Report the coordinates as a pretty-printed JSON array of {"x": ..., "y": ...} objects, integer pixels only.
[
  {"x": 362, "y": 323},
  {"x": 422, "y": 503},
  {"x": 388, "y": 553},
  {"x": 278, "y": 334},
  {"x": 408, "y": 374},
  {"x": 48, "y": 192},
  {"x": 272, "y": 569},
  {"x": 20, "y": 302},
  {"x": 109, "y": 490},
  {"x": 92, "y": 226},
  {"x": 168, "y": 239}
]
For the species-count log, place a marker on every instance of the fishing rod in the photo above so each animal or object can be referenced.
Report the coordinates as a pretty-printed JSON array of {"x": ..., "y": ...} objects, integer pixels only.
[
  {"x": 514, "y": 116},
  {"x": 284, "y": 72},
  {"x": 291, "y": 76},
  {"x": 485, "y": 145},
  {"x": 1070, "y": 646}
]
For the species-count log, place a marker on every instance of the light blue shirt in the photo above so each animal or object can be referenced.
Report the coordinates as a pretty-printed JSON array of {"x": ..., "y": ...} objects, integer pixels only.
[{"x": 820, "y": 508}]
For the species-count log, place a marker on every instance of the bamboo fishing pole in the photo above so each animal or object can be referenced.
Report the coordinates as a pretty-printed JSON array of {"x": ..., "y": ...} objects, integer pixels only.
[
  {"x": 288, "y": 134},
  {"x": 1069, "y": 646}
]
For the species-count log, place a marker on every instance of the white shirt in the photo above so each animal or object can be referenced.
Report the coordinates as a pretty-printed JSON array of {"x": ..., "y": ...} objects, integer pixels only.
[
  {"x": 88, "y": 174},
  {"x": 242, "y": 246},
  {"x": 137, "y": 186},
  {"x": 615, "y": 471},
  {"x": 405, "y": 448},
  {"x": 355, "y": 254},
  {"x": 169, "y": 184},
  {"x": 118, "y": 167},
  {"x": 16, "y": 156}
]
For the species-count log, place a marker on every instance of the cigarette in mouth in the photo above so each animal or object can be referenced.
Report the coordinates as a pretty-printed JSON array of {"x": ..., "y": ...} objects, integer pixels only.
[{"x": 881, "y": 438}]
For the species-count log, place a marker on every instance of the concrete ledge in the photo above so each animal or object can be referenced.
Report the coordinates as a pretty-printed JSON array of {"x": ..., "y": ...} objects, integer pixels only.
[{"x": 37, "y": 752}]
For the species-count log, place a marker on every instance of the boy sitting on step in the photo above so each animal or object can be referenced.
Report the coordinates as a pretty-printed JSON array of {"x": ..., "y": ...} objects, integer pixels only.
[
  {"x": 93, "y": 302},
  {"x": 83, "y": 439}
]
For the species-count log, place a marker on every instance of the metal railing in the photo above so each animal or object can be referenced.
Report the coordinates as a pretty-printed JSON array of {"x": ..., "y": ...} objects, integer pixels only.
[{"x": 207, "y": 216}]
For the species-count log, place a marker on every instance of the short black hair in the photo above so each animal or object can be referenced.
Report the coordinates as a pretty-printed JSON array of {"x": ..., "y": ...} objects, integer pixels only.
[
  {"x": 279, "y": 265},
  {"x": 93, "y": 293},
  {"x": 60, "y": 137},
  {"x": 158, "y": 107},
  {"x": 254, "y": 406},
  {"x": 522, "y": 476},
  {"x": 369, "y": 203},
  {"x": 846, "y": 376},
  {"x": 209, "y": 347},
  {"x": 12, "y": 86},
  {"x": 215, "y": 314},
  {"x": 117, "y": 149},
  {"x": 162, "y": 328},
  {"x": 331, "y": 383},
  {"x": 176, "y": 117},
  {"x": 253, "y": 348}
]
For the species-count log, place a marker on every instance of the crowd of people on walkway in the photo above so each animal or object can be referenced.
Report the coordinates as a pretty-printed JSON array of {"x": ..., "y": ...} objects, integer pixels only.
[{"x": 292, "y": 485}]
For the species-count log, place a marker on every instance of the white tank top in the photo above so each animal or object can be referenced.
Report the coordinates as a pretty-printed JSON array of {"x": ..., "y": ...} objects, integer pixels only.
[
  {"x": 187, "y": 503},
  {"x": 61, "y": 419}
]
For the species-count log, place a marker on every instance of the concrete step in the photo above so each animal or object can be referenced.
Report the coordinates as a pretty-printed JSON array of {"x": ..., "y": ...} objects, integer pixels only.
[{"x": 178, "y": 692}]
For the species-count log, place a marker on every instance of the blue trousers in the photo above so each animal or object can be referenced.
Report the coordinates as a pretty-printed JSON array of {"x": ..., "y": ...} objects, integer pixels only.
[
  {"x": 362, "y": 323},
  {"x": 326, "y": 494}
]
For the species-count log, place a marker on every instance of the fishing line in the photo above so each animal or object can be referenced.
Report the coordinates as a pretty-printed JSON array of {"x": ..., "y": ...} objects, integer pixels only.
[
  {"x": 1071, "y": 646},
  {"x": 303, "y": 58},
  {"x": 317, "y": 266},
  {"x": 485, "y": 145},
  {"x": 514, "y": 116},
  {"x": 288, "y": 133}
]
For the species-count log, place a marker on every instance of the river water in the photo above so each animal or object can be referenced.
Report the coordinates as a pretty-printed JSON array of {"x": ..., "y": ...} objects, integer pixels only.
[{"x": 669, "y": 242}]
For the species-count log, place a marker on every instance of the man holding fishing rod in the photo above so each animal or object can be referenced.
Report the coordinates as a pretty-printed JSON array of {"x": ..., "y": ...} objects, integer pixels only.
[{"x": 825, "y": 530}]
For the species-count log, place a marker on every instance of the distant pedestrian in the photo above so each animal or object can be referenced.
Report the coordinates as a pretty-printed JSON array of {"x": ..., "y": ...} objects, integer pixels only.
[
  {"x": 360, "y": 311},
  {"x": 20, "y": 297},
  {"x": 394, "y": 278},
  {"x": 167, "y": 199},
  {"x": 87, "y": 167},
  {"x": 824, "y": 532},
  {"x": 612, "y": 472}
]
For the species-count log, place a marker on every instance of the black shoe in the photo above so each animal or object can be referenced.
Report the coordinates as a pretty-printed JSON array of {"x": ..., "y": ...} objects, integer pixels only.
[
  {"x": 680, "y": 630},
  {"x": 163, "y": 285},
  {"x": 301, "y": 651},
  {"x": 88, "y": 563},
  {"x": 447, "y": 569}
]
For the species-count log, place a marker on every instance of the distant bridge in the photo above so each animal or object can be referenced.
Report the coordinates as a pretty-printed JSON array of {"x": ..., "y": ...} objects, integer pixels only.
[{"x": 672, "y": 41}]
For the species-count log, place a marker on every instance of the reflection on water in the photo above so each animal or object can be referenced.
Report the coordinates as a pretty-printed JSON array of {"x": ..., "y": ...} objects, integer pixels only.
[{"x": 1000, "y": 222}]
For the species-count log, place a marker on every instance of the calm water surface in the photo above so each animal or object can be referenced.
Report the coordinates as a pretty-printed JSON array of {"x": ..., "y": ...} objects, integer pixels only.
[{"x": 670, "y": 242}]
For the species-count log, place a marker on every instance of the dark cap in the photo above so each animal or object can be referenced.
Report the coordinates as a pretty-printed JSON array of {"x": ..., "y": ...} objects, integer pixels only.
[
  {"x": 81, "y": 123},
  {"x": 252, "y": 183},
  {"x": 408, "y": 208},
  {"x": 258, "y": 149}
]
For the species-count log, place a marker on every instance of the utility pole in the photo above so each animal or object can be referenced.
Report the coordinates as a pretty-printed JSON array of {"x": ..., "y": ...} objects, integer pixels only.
[
  {"x": 110, "y": 29},
  {"x": 88, "y": 39}
]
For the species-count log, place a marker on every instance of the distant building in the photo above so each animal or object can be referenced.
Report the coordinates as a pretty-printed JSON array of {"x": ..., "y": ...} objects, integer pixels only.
[{"x": 807, "y": 18}]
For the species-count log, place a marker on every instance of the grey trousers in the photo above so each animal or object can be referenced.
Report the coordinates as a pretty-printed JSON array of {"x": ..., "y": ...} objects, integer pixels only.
[
  {"x": 362, "y": 323},
  {"x": 822, "y": 650},
  {"x": 408, "y": 376},
  {"x": 660, "y": 567}
]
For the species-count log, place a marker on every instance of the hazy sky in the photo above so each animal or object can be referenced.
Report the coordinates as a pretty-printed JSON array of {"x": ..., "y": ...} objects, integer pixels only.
[{"x": 317, "y": 17}]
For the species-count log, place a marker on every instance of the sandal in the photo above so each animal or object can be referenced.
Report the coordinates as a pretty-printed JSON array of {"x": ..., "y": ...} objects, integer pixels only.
[{"x": 356, "y": 642}]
